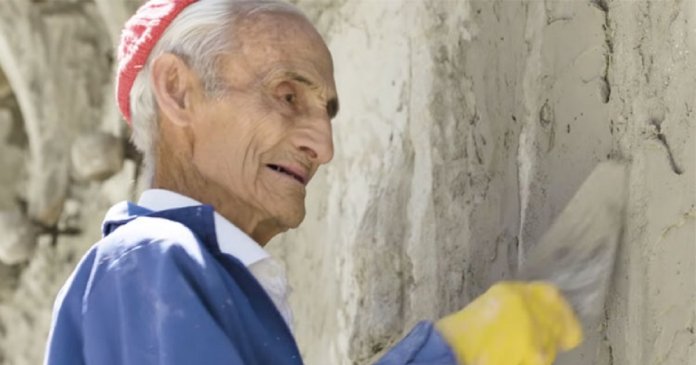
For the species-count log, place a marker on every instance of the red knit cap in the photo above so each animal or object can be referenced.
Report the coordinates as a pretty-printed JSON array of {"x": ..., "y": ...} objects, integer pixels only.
[{"x": 139, "y": 36}]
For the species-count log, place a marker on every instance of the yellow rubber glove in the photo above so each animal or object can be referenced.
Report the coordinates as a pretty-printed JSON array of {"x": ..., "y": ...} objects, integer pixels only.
[{"x": 513, "y": 323}]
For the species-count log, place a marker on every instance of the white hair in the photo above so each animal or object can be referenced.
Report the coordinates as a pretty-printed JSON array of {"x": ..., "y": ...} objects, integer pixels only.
[{"x": 200, "y": 34}]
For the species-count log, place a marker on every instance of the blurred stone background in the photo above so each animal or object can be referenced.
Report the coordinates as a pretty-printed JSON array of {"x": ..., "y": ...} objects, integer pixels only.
[{"x": 466, "y": 125}]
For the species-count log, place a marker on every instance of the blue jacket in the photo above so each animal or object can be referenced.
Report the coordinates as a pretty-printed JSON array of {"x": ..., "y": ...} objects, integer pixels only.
[{"x": 157, "y": 290}]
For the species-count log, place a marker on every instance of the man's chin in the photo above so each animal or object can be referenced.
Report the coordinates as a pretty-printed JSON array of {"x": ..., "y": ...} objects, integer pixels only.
[
  {"x": 294, "y": 219},
  {"x": 292, "y": 215}
]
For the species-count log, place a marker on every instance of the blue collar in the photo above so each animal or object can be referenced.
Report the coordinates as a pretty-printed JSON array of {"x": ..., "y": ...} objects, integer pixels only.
[{"x": 199, "y": 219}]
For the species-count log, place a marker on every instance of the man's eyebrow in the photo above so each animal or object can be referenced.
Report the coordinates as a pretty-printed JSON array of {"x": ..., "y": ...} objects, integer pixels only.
[{"x": 299, "y": 78}]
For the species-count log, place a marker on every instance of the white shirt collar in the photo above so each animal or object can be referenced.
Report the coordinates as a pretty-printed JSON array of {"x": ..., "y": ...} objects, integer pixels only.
[{"x": 231, "y": 239}]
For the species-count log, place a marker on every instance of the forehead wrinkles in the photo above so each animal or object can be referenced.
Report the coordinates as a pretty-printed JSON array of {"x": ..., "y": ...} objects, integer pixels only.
[
  {"x": 266, "y": 42},
  {"x": 272, "y": 37},
  {"x": 272, "y": 25}
]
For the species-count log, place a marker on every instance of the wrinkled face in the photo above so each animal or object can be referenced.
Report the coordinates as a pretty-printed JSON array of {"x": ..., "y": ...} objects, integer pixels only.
[{"x": 266, "y": 137}]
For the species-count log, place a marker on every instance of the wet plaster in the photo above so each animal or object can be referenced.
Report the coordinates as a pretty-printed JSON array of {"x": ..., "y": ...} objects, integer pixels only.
[{"x": 488, "y": 117}]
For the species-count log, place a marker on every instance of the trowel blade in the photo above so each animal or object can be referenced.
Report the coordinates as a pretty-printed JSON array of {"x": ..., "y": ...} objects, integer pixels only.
[{"x": 577, "y": 253}]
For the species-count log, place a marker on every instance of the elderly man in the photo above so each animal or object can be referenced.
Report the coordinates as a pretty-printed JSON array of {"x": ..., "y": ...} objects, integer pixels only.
[{"x": 231, "y": 103}]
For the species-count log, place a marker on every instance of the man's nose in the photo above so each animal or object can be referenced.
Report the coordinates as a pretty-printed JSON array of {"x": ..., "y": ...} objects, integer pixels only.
[{"x": 315, "y": 139}]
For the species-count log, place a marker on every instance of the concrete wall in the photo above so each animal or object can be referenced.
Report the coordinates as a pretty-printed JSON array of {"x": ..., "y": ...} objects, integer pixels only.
[{"x": 465, "y": 128}]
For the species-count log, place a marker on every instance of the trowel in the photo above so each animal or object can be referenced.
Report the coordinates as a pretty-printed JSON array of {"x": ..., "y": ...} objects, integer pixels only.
[{"x": 577, "y": 253}]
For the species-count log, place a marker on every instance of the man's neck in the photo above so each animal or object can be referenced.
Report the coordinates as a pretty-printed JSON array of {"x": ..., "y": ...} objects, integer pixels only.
[{"x": 173, "y": 173}]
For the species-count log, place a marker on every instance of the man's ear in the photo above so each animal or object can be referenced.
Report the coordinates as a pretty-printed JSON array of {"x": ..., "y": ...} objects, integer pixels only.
[{"x": 174, "y": 84}]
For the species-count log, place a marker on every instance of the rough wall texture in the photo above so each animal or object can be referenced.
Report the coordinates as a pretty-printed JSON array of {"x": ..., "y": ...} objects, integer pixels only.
[
  {"x": 55, "y": 100},
  {"x": 465, "y": 128}
]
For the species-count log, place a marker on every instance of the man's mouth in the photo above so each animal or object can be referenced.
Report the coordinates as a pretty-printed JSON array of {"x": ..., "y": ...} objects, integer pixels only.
[{"x": 287, "y": 171}]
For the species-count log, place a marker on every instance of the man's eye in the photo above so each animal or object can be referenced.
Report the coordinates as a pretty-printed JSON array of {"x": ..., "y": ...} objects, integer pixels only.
[{"x": 286, "y": 93}]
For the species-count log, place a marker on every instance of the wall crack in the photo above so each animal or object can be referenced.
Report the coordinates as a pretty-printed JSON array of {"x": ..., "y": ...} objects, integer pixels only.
[
  {"x": 605, "y": 86},
  {"x": 676, "y": 168}
]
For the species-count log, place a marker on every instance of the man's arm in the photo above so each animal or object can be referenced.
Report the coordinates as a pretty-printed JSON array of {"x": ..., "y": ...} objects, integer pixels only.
[
  {"x": 512, "y": 323},
  {"x": 422, "y": 346}
]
